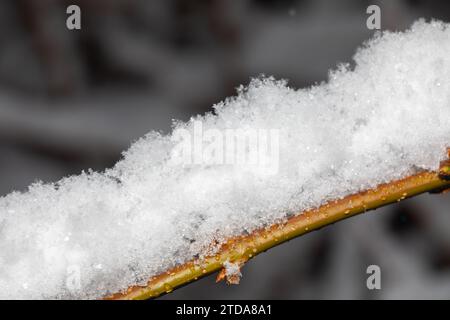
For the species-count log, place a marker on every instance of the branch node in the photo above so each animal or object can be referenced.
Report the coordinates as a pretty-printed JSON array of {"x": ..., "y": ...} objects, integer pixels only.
[{"x": 231, "y": 271}]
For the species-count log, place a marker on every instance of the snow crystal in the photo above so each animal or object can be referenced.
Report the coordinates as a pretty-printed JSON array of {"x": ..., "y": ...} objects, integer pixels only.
[
  {"x": 232, "y": 272},
  {"x": 94, "y": 234}
]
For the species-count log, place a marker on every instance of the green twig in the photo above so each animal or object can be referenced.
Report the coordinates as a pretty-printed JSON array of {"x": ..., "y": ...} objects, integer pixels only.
[{"x": 241, "y": 249}]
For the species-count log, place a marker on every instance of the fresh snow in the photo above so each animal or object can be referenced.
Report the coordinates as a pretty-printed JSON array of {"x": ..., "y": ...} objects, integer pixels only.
[
  {"x": 382, "y": 118},
  {"x": 232, "y": 272}
]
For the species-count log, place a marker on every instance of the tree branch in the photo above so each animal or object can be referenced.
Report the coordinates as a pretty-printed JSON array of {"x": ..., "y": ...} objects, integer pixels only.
[{"x": 240, "y": 249}]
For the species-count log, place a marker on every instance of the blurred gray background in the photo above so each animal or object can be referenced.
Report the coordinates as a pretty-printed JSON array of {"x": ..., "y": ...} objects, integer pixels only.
[{"x": 74, "y": 100}]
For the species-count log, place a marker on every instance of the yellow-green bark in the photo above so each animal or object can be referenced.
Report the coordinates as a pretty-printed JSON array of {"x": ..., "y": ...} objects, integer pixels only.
[{"x": 241, "y": 249}]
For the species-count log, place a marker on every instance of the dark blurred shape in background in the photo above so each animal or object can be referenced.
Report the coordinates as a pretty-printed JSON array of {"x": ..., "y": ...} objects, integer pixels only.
[{"x": 73, "y": 100}]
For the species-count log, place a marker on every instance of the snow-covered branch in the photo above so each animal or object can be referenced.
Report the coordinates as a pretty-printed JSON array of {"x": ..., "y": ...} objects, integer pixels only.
[{"x": 378, "y": 131}]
